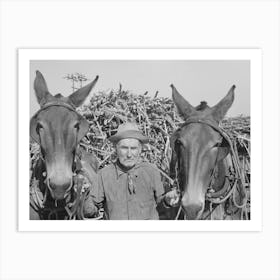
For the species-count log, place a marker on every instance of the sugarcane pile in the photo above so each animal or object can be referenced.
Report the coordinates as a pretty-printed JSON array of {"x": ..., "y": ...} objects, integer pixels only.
[
  {"x": 156, "y": 117},
  {"x": 239, "y": 129}
]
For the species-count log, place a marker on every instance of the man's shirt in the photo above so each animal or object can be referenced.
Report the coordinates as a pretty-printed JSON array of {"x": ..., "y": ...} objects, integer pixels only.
[{"x": 128, "y": 195}]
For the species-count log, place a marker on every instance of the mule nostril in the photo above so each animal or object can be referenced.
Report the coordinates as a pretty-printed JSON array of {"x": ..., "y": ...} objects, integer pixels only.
[
  {"x": 59, "y": 190},
  {"x": 193, "y": 211},
  {"x": 59, "y": 184},
  {"x": 51, "y": 185}
]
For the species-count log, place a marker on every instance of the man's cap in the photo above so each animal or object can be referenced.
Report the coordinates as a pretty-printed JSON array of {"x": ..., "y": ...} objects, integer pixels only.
[{"x": 129, "y": 130}]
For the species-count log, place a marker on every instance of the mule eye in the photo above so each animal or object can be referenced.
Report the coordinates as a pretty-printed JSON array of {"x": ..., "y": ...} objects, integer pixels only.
[
  {"x": 178, "y": 142},
  {"x": 77, "y": 125},
  {"x": 38, "y": 127},
  {"x": 218, "y": 144}
]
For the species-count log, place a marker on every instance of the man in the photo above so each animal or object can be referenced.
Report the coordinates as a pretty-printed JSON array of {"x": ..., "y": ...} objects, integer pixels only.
[{"x": 129, "y": 188}]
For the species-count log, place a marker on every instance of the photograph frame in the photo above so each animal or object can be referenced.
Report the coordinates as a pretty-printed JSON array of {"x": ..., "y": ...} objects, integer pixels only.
[{"x": 25, "y": 56}]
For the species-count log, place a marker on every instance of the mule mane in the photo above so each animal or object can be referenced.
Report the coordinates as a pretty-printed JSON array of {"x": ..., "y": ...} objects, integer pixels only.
[
  {"x": 58, "y": 95},
  {"x": 202, "y": 106},
  {"x": 58, "y": 100}
]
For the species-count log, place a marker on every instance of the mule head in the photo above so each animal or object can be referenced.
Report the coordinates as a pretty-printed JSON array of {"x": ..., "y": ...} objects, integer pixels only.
[
  {"x": 197, "y": 148},
  {"x": 58, "y": 128}
]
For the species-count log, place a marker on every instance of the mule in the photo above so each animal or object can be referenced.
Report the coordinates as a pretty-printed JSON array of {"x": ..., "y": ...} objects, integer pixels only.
[
  {"x": 57, "y": 128},
  {"x": 200, "y": 158}
]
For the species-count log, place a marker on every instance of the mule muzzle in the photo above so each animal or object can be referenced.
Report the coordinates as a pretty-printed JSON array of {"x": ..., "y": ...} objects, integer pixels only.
[
  {"x": 193, "y": 211},
  {"x": 60, "y": 190}
]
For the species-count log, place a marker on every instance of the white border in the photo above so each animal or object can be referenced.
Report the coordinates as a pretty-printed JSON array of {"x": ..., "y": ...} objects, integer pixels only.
[{"x": 24, "y": 57}]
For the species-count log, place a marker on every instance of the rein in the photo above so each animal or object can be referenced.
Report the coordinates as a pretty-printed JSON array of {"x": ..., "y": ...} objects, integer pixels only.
[{"x": 232, "y": 178}]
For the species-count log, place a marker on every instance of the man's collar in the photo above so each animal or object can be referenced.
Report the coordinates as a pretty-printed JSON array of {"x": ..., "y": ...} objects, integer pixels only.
[{"x": 120, "y": 171}]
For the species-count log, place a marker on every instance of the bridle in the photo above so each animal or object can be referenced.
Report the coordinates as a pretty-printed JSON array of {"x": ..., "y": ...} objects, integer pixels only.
[
  {"x": 57, "y": 103},
  {"x": 37, "y": 201},
  {"x": 233, "y": 177}
]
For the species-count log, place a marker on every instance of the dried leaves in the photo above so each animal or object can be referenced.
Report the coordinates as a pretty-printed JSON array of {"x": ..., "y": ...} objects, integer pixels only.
[{"x": 156, "y": 117}]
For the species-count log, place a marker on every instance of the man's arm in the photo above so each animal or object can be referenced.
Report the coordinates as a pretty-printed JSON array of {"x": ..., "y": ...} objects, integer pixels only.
[
  {"x": 168, "y": 199},
  {"x": 95, "y": 198},
  {"x": 157, "y": 185}
]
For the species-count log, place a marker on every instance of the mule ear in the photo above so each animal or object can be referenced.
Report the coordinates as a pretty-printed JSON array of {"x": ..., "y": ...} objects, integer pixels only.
[
  {"x": 33, "y": 133},
  {"x": 83, "y": 129},
  {"x": 41, "y": 89},
  {"x": 220, "y": 109},
  {"x": 78, "y": 97},
  {"x": 174, "y": 158},
  {"x": 172, "y": 165},
  {"x": 185, "y": 109}
]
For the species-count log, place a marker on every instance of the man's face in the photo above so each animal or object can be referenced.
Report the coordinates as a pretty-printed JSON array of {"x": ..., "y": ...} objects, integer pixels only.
[{"x": 128, "y": 151}]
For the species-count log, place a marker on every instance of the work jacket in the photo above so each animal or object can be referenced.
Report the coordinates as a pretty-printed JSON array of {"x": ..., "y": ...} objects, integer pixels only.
[{"x": 127, "y": 195}]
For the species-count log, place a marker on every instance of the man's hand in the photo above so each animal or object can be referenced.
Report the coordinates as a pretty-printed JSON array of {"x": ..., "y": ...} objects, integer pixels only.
[{"x": 172, "y": 198}]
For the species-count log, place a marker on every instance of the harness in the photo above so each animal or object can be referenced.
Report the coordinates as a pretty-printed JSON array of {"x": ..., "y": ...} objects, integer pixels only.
[
  {"x": 58, "y": 103},
  {"x": 234, "y": 181},
  {"x": 73, "y": 205}
]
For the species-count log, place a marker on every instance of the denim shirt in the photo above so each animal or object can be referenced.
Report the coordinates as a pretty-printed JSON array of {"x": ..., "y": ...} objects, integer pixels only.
[{"x": 131, "y": 195}]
